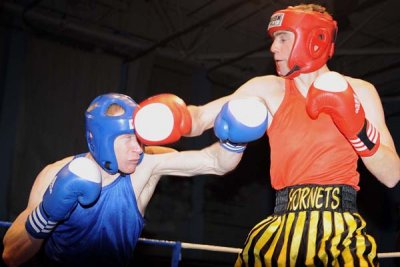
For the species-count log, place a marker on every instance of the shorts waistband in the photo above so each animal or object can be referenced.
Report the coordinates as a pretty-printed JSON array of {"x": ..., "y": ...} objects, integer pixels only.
[{"x": 340, "y": 198}]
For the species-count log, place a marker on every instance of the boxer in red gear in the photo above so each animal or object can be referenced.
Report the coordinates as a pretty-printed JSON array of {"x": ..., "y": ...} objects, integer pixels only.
[{"x": 317, "y": 132}]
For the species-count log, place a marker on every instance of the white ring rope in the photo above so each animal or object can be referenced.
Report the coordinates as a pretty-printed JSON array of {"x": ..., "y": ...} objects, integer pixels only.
[
  {"x": 196, "y": 246},
  {"x": 237, "y": 250},
  {"x": 389, "y": 255}
]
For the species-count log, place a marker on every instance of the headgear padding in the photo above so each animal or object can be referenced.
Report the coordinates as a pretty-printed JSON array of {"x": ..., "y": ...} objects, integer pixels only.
[
  {"x": 315, "y": 35},
  {"x": 102, "y": 129}
]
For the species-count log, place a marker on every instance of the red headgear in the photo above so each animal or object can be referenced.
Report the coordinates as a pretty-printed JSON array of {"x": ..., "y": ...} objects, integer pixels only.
[{"x": 314, "y": 42}]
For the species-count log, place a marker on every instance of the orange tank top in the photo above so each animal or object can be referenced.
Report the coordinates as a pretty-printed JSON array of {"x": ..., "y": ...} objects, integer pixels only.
[{"x": 306, "y": 151}]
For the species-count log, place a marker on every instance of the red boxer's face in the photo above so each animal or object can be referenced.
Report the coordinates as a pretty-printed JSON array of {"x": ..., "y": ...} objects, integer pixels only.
[
  {"x": 127, "y": 151},
  {"x": 281, "y": 48}
]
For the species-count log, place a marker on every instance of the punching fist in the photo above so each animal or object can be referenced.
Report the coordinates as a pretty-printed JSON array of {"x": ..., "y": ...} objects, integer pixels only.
[
  {"x": 241, "y": 121},
  {"x": 161, "y": 119},
  {"x": 332, "y": 94},
  {"x": 77, "y": 182}
]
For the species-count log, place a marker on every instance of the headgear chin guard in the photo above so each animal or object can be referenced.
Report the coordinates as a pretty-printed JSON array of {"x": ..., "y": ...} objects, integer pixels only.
[
  {"x": 103, "y": 129},
  {"x": 315, "y": 35}
]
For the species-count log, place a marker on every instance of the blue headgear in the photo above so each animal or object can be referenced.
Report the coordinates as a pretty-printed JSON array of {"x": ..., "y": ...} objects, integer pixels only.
[{"x": 102, "y": 129}]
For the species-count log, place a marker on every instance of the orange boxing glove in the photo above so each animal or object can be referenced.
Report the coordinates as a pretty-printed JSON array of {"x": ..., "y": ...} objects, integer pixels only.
[
  {"x": 332, "y": 94},
  {"x": 161, "y": 119}
]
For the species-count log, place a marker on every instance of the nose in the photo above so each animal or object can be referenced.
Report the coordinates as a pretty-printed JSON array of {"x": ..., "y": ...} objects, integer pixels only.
[
  {"x": 138, "y": 148},
  {"x": 274, "y": 47}
]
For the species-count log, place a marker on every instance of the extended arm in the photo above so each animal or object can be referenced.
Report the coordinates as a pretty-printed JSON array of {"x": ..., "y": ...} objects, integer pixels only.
[
  {"x": 265, "y": 87},
  {"x": 238, "y": 122},
  {"x": 203, "y": 116},
  {"x": 210, "y": 160}
]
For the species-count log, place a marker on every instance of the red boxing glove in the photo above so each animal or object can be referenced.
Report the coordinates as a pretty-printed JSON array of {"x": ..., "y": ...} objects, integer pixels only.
[
  {"x": 161, "y": 119},
  {"x": 332, "y": 94}
]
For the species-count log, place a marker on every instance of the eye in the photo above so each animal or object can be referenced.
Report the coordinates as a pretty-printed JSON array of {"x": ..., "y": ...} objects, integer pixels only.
[{"x": 282, "y": 39}]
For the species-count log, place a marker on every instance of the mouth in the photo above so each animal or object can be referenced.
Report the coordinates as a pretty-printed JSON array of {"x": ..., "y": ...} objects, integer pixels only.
[{"x": 135, "y": 161}]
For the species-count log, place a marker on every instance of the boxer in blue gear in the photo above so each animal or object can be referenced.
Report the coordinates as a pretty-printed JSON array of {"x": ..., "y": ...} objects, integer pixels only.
[{"x": 87, "y": 210}]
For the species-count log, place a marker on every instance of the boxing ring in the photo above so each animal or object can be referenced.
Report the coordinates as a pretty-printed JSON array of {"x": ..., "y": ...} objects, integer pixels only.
[{"x": 177, "y": 247}]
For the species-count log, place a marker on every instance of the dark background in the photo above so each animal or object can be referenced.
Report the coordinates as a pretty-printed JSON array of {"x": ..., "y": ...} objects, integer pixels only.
[{"x": 56, "y": 56}]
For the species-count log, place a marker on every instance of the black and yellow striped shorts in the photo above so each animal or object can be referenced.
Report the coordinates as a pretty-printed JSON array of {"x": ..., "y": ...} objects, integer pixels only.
[{"x": 312, "y": 225}]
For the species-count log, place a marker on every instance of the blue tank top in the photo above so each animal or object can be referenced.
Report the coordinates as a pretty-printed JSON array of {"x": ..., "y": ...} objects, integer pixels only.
[{"x": 104, "y": 234}]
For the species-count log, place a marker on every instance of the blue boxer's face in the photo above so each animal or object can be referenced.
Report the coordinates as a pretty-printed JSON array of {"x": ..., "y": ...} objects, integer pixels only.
[{"x": 127, "y": 151}]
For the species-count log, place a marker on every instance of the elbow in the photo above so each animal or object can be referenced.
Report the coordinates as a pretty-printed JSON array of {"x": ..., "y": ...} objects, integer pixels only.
[
  {"x": 227, "y": 164},
  {"x": 8, "y": 259},
  {"x": 392, "y": 180},
  {"x": 220, "y": 160},
  {"x": 391, "y": 183},
  {"x": 222, "y": 170}
]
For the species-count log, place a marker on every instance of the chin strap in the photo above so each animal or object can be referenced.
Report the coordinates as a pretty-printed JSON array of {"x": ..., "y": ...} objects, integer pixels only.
[{"x": 295, "y": 68}]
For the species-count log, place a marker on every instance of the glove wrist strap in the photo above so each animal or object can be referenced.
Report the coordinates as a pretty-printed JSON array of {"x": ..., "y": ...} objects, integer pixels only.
[
  {"x": 39, "y": 224},
  {"x": 233, "y": 147},
  {"x": 367, "y": 141}
]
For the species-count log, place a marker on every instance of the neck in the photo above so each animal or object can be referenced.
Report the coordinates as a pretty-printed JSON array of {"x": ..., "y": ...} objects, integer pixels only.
[
  {"x": 304, "y": 80},
  {"x": 106, "y": 178}
]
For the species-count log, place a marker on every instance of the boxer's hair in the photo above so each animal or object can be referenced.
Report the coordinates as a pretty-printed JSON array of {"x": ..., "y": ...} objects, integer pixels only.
[
  {"x": 310, "y": 7},
  {"x": 115, "y": 110}
]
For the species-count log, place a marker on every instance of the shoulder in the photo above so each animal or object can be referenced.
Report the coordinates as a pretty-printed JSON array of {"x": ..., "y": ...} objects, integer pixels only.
[
  {"x": 366, "y": 92},
  {"x": 269, "y": 82},
  {"x": 43, "y": 180},
  {"x": 53, "y": 168},
  {"x": 361, "y": 87},
  {"x": 263, "y": 86},
  {"x": 369, "y": 98}
]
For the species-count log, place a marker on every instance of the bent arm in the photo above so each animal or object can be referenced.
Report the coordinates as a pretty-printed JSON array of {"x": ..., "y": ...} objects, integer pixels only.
[
  {"x": 19, "y": 245},
  {"x": 385, "y": 163}
]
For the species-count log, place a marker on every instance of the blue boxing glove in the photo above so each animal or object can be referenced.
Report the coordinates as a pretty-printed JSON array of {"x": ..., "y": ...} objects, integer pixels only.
[
  {"x": 241, "y": 121},
  {"x": 77, "y": 182}
]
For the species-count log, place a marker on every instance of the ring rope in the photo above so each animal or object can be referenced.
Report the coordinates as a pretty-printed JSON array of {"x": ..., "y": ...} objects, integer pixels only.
[
  {"x": 191, "y": 245},
  {"x": 186, "y": 245}
]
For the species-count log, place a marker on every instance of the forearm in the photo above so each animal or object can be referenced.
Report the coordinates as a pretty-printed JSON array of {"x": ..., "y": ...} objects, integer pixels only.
[
  {"x": 224, "y": 160},
  {"x": 200, "y": 123},
  {"x": 19, "y": 246},
  {"x": 203, "y": 116},
  {"x": 210, "y": 160},
  {"x": 384, "y": 165},
  {"x": 213, "y": 160}
]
